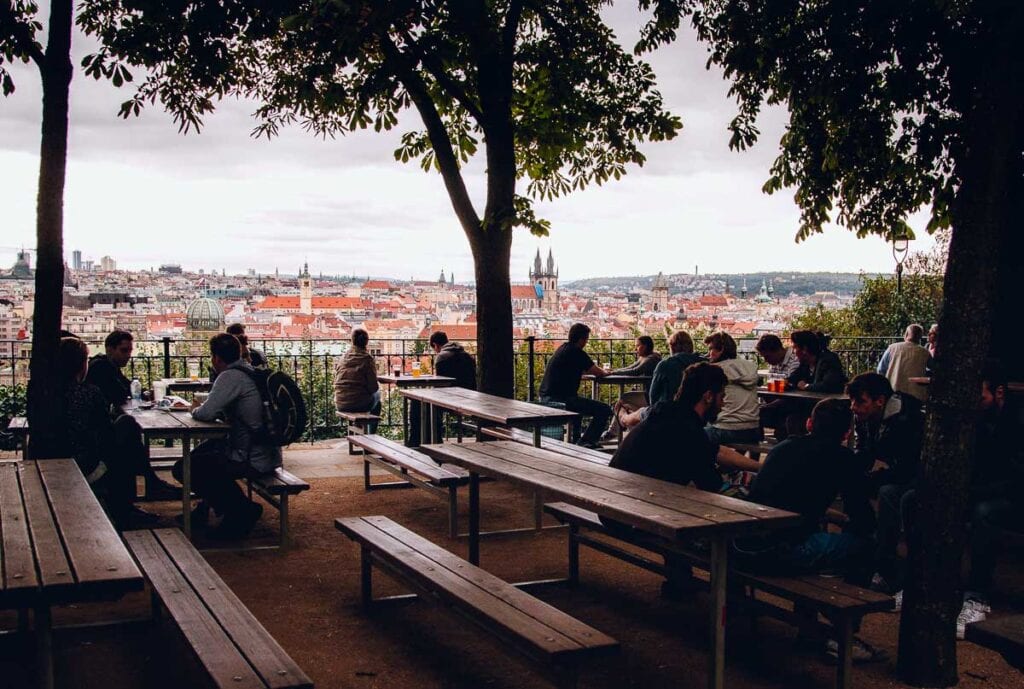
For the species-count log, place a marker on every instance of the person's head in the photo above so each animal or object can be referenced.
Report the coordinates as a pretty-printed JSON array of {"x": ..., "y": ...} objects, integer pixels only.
[
  {"x": 72, "y": 360},
  {"x": 806, "y": 346},
  {"x": 225, "y": 350},
  {"x": 644, "y": 345},
  {"x": 869, "y": 393},
  {"x": 993, "y": 388},
  {"x": 360, "y": 338},
  {"x": 438, "y": 340},
  {"x": 118, "y": 347},
  {"x": 238, "y": 330},
  {"x": 703, "y": 389},
  {"x": 680, "y": 342},
  {"x": 830, "y": 420},
  {"x": 578, "y": 335},
  {"x": 933, "y": 334},
  {"x": 770, "y": 348},
  {"x": 721, "y": 346},
  {"x": 913, "y": 333}
]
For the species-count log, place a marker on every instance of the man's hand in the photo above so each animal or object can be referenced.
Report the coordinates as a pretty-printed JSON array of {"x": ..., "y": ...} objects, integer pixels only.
[{"x": 802, "y": 385}]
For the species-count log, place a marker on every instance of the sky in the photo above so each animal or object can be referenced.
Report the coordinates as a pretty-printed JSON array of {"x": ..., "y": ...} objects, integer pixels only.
[{"x": 139, "y": 191}]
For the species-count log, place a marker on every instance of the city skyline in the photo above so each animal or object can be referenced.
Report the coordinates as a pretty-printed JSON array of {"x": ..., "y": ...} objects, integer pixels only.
[{"x": 139, "y": 192}]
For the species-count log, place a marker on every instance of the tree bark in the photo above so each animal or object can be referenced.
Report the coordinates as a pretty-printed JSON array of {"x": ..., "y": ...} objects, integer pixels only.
[
  {"x": 989, "y": 168},
  {"x": 491, "y": 254},
  {"x": 43, "y": 386}
]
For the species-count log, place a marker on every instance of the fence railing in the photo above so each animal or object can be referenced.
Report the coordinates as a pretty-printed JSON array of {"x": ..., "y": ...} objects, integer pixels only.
[{"x": 311, "y": 363}]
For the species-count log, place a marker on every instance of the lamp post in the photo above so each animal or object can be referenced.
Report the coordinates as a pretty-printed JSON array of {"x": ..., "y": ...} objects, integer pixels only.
[{"x": 900, "y": 246}]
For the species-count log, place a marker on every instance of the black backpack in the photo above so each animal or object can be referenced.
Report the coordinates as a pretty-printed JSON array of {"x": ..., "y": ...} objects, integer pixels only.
[{"x": 284, "y": 409}]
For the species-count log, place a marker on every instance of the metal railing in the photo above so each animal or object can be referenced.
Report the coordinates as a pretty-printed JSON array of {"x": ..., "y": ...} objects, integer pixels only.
[{"x": 311, "y": 363}]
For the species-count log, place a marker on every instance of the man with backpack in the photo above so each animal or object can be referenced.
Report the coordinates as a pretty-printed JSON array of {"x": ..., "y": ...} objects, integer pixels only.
[{"x": 249, "y": 447}]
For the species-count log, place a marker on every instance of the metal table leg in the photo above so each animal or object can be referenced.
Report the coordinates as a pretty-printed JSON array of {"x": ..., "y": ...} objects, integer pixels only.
[
  {"x": 719, "y": 563},
  {"x": 474, "y": 518},
  {"x": 44, "y": 647},
  {"x": 186, "y": 485}
]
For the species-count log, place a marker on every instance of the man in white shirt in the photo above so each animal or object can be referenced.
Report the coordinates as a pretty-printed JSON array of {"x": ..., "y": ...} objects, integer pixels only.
[{"x": 905, "y": 360}]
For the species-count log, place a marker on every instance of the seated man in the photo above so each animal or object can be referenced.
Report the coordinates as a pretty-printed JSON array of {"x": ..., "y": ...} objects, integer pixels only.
[
  {"x": 740, "y": 418},
  {"x": 902, "y": 361},
  {"x": 217, "y": 463},
  {"x": 668, "y": 374},
  {"x": 250, "y": 354},
  {"x": 561, "y": 383},
  {"x": 782, "y": 363},
  {"x": 105, "y": 373},
  {"x": 355, "y": 379},
  {"x": 820, "y": 369},
  {"x": 450, "y": 359},
  {"x": 805, "y": 474},
  {"x": 646, "y": 361},
  {"x": 889, "y": 431}
]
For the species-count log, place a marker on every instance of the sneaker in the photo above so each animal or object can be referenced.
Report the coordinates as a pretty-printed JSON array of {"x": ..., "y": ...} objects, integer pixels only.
[
  {"x": 862, "y": 651},
  {"x": 609, "y": 436},
  {"x": 880, "y": 584},
  {"x": 237, "y": 525},
  {"x": 972, "y": 611},
  {"x": 898, "y": 598},
  {"x": 162, "y": 490}
]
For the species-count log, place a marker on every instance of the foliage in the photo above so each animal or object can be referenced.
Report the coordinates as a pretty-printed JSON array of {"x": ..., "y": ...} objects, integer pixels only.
[
  {"x": 13, "y": 402},
  {"x": 19, "y": 24}
]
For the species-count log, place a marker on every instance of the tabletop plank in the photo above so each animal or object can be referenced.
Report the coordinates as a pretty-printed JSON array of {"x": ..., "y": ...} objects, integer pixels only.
[
  {"x": 488, "y": 407},
  {"x": 52, "y": 561},
  {"x": 94, "y": 548},
  {"x": 801, "y": 395},
  {"x": 424, "y": 381},
  {"x": 19, "y": 568}
]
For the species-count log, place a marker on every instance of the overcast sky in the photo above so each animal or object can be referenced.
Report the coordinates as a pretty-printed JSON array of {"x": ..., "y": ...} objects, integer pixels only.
[{"x": 144, "y": 194}]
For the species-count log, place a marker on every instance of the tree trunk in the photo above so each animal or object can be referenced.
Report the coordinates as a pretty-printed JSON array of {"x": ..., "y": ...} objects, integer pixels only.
[
  {"x": 492, "y": 251},
  {"x": 989, "y": 168},
  {"x": 49, "y": 280}
]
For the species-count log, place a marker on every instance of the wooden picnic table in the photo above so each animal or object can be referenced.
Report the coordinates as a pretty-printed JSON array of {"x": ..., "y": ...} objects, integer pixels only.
[
  {"x": 486, "y": 408},
  {"x": 668, "y": 510},
  {"x": 1011, "y": 386},
  {"x": 185, "y": 384},
  {"x": 422, "y": 381},
  {"x": 58, "y": 547},
  {"x": 616, "y": 379},
  {"x": 179, "y": 425},
  {"x": 800, "y": 395}
]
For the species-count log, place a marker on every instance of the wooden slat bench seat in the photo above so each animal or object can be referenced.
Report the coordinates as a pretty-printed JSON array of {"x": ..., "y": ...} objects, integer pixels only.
[
  {"x": 762, "y": 448},
  {"x": 557, "y": 642},
  {"x": 553, "y": 444},
  {"x": 232, "y": 646},
  {"x": 357, "y": 423},
  {"x": 842, "y": 604},
  {"x": 275, "y": 488},
  {"x": 415, "y": 469},
  {"x": 1002, "y": 634}
]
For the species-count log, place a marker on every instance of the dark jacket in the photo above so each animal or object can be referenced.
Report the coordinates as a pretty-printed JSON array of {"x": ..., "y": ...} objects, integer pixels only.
[
  {"x": 455, "y": 362},
  {"x": 88, "y": 428},
  {"x": 641, "y": 367},
  {"x": 828, "y": 374},
  {"x": 668, "y": 374},
  {"x": 355, "y": 380},
  {"x": 895, "y": 440},
  {"x": 998, "y": 456},
  {"x": 108, "y": 378}
]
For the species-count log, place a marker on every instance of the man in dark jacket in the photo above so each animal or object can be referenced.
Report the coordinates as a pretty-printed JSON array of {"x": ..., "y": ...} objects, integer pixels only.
[
  {"x": 561, "y": 383},
  {"x": 888, "y": 446},
  {"x": 820, "y": 369},
  {"x": 105, "y": 369},
  {"x": 453, "y": 361}
]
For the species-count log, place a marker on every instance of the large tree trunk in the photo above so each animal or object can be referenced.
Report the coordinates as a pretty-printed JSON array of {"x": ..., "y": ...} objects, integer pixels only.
[
  {"x": 491, "y": 254},
  {"x": 990, "y": 169},
  {"x": 49, "y": 283}
]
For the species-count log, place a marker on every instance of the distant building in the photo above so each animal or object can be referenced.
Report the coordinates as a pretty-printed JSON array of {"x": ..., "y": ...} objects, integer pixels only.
[
  {"x": 204, "y": 318},
  {"x": 171, "y": 269},
  {"x": 108, "y": 264},
  {"x": 22, "y": 268},
  {"x": 305, "y": 291},
  {"x": 545, "y": 282},
  {"x": 76, "y": 260},
  {"x": 659, "y": 294}
]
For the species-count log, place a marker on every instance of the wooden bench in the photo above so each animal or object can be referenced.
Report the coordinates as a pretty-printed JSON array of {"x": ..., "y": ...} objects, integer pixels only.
[
  {"x": 1002, "y": 634},
  {"x": 558, "y": 643},
  {"x": 553, "y": 444},
  {"x": 842, "y": 604},
  {"x": 275, "y": 488},
  {"x": 234, "y": 649},
  {"x": 762, "y": 448},
  {"x": 415, "y": 469},
  {"x": 357, "y": 423}
]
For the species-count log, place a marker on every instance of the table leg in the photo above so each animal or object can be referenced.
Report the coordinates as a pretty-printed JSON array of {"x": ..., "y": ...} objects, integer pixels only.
[
  {"x": 405, "y": 415},
  {"x": 474, "y": 518},
  {"x": 44, "y": 647},
  {"x": 424, "y": 423},
  {"x": 593, "y": 389},
  {"x": 719, "y": 562},
  {"x": 186, "y": 486},
  {"x": 536, "y": 436}
]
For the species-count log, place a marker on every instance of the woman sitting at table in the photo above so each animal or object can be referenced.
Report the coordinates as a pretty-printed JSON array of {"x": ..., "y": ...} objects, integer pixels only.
[
  {"x": 109, "y": 457},
  {"x": 740, "y": 418}
]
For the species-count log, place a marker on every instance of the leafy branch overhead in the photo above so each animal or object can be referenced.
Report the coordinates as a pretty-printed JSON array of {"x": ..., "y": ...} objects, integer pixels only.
[{"x": 550, "y": 75}]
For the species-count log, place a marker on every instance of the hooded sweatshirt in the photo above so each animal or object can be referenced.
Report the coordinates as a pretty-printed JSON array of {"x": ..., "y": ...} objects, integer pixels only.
[
  {"x": 355, "y": 381},
  {"x": 741, "y": 409},
  {"x": 454, "y": 361}
]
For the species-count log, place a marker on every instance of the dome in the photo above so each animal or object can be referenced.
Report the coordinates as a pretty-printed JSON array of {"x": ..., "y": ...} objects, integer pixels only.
[{"x": 205, "y": 314}]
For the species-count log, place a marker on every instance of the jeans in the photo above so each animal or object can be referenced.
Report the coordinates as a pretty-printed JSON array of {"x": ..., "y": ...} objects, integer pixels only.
[
  {"x": 599, "y": 412},
  {"x": 894, "y": 501},
  {"x": 819, "y": 552},
  {"x": 724, "y": 436},
  {"x": 214, "y": 474}
]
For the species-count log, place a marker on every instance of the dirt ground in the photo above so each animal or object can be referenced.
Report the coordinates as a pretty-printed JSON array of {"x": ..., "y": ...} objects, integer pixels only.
[{"x": 307, "y": 597}]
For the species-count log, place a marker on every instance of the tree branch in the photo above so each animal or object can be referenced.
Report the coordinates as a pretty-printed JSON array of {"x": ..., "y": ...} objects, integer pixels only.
[
  {"x": 19, "y": 31},
  {"x": 455, "y": 87},
  {"x": 508, "y": 33}
]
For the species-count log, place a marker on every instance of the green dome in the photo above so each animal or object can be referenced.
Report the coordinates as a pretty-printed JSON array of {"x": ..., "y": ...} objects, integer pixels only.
[{"x": 204, "y": 314}]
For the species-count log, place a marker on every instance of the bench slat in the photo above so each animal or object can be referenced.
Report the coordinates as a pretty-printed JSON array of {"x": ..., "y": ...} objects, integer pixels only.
[
  {"x": 211, "y": 644},
  {"x": 275, "y": 666},
  {"x": 544, "y": 629},
  {"x": 410, "y": 459},
  {"x": 280, "y": 482},
  {"x": 1004, "y": 635},
  {"x": 19, "y": 567},
  {"x": 54, "y": 568},
  {"x": 553, "y": 444}
]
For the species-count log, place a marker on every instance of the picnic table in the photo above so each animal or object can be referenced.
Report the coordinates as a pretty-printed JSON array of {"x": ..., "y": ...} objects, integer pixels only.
[
  {"x": 486, "y": 408},
  {"x": 1011, "y": 386},
  {"x": 807, "y": 396},
  {"x": 668, "y": 510},
  {"x": 422, "y": 381},
  {"x": 58, "y": 547},
  {"x": 185, "y": 384},
  {"x": 616, "y": 379}
]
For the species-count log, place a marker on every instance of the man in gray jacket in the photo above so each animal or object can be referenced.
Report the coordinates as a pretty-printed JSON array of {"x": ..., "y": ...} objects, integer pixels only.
[{"x": 217, "y": 463}]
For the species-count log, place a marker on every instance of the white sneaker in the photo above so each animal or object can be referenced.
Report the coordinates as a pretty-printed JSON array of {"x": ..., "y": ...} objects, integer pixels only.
[
  {"x": 861, "y": 650},
  {"x": 898, "y": 597},
  {"x": 972, "y": 611}
]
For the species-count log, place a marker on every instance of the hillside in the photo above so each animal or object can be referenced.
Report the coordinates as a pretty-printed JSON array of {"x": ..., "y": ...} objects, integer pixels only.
[{"x": 785, "y": 283}]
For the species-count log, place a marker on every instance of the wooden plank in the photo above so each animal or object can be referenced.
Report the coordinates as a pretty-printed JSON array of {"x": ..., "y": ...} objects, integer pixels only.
[
  {"x": 18, "y": 561},
  {"x": 488, "y": 407},
  {"x": 267, "y": 657},
  {"x": 96, "y": 553},
  {"x": 210, "y": 643},
  {"x": 280, "y": 481},
  {"x": 51, "y": 559},
  {"x": 408, "y": 458},
  {"x": 18, "y": 425},
  {"x": 507, "y": 610},
  {"x": 1004, "y": 635},
  {"x": 553, "y": 444}
]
